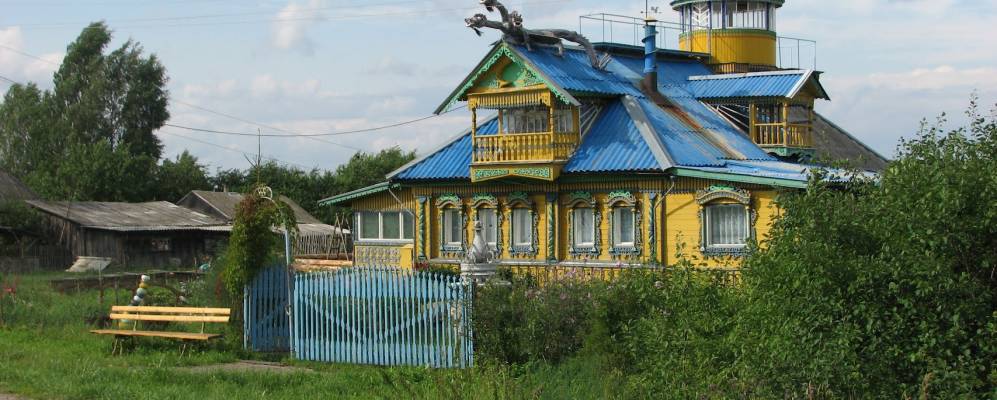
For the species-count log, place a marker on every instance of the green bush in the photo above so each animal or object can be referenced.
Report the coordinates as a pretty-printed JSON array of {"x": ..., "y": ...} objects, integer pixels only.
[
  {"x": 522, "y": 322},
  {"x": 884, "y": 289},
  {"x": 875, "y": 288}
]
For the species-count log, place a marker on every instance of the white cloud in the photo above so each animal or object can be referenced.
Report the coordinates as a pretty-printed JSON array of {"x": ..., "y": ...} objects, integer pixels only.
[
  {"x": 290, "y": 27},
  {"x": 23, "y": 68},
  {"x": 882, "y": 107}
]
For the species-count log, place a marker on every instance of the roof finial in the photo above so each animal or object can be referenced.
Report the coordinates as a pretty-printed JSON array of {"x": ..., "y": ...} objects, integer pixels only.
[{"x": 514, "y": 31}]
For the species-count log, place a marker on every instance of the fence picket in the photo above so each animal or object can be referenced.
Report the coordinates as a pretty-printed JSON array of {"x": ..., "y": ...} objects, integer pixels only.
[{"x": 368, "y": 315}]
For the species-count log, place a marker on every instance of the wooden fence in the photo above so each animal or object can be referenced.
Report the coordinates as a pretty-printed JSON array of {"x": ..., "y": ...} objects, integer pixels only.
[
  {"x": 266, "y": 312},
  {"x": 369, "y": 315}
]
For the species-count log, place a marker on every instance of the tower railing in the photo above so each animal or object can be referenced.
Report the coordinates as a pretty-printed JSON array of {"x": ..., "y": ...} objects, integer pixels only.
[
  {"x": 624, "y": 29},
  {"x": 791, "y": 52}
]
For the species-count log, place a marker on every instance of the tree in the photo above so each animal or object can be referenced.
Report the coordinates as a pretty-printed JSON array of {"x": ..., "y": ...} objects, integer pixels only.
[
  {"x": 365, "y": 169},
  {"x": 887, "y": 289},
  {"x": 120, "y": 97},
  {"x": 175, "y": 178},
  {"x": 91, "y": 137},
  {"x": 25, "y": 144}
]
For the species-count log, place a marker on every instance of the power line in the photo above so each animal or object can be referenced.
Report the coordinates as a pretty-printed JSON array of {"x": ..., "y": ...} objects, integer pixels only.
[
  {"x": 260, "y": 125},
  {"x": 305, "y": 167},
  {"x": 306, "y": 135},
  {"x": 287, "y": 133},
  {"x": 224, "y": 15},
  {"x": 308, "y": 18}
]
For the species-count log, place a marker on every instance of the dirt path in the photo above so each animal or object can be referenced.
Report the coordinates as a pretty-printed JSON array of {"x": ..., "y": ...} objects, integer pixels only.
[
  {"x": 4, "y": 396},
  {"x": 243, "y": 366}
]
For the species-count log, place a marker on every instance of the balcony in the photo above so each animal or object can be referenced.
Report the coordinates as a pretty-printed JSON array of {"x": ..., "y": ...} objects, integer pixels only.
[
  {"x": 785, "y": 140},
  {"x": 544, "y": 147},
  {"x": 533, "y": 137}
]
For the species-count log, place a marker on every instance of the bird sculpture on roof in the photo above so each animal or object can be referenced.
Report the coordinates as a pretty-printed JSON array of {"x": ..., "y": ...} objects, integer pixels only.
[{"x": 514, "y": 31}]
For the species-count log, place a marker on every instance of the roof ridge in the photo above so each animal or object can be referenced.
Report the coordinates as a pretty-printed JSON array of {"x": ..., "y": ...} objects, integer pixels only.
[{"x": 653, "y": 141}]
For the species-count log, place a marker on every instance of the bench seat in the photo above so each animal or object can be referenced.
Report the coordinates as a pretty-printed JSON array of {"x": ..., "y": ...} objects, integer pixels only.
[{"x": 162, "y": 334}]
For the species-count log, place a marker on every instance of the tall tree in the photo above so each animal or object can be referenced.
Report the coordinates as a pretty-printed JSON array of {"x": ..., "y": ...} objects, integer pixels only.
[
  {"x": 120, "y": 97},
  {"x": 91, "y": 137}
]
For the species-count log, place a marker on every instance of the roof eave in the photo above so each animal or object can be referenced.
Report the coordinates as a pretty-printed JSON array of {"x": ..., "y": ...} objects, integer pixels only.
[
  {"x": 758, "y": 180},
  {"x": 354, "y": 194}
]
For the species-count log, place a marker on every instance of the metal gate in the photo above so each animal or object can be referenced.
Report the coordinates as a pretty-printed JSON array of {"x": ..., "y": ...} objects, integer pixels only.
[{"x": 382, "y": 316}]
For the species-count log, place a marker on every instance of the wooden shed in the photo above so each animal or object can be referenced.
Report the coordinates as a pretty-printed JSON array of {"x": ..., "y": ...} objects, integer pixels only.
[
  {"x": 154, "y": 234},
  {"x": 315, "y": 240}
]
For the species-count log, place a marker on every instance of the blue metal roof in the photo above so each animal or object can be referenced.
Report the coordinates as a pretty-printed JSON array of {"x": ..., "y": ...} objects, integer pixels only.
[
  {"x": 452, "y": 161},
  {"x": 574, "y": 72},
  {"x": 783, "y": 84},
  {"x": 692, "y": 135},
  {"x": 613, "y": 144}
]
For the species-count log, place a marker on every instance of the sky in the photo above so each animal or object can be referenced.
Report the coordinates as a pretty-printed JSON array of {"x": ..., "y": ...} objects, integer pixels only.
[{"x": 321, "y": 66}]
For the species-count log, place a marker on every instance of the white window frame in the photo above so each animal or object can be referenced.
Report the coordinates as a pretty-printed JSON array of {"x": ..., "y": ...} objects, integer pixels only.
[
  {"x": 514, "y": 237},
  {"x": 618, "y": 228},
  {"x": 709, "y": 234},
  {"x": 452, "y": 216},
  {"x": 494, "y": 212},
  {"x": 574, "y": 222},
  {"x": 379, "y": 237}
]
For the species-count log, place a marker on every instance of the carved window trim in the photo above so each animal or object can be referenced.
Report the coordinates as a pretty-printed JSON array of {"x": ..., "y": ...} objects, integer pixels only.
[
  {"x": 576, "y": 200},
  {"x": 521, "y": 200},
  {"x": 450, "y": 202},
  {"x": 625, "y": 199},
  {"x": 721, "y": 195},
  {"x": 489, "y": 201}
]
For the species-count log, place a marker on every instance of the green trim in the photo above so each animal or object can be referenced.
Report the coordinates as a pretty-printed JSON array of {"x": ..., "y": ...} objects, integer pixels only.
[
  {"x": 692, "y": 173},
  {"x": 362, "y": 192},
  {"x": 500, "y": 50},
  {"x": 789, "y": 151}
]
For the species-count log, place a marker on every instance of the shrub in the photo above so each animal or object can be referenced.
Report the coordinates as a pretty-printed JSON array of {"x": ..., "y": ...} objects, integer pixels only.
[
  {"x": 885, "y": 289},
  {"x": 523, "y": 322}
]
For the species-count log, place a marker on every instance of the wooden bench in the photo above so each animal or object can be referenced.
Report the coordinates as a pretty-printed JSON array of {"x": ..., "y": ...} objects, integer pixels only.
[{"x": 164, "y": 314}]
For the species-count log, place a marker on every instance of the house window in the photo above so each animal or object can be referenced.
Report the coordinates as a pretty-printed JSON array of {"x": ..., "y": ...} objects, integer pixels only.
[
  {"x": 624, "y": 228},
  {"x": 522, "y": 227},
  {"x": 489, "y": 226},
  {"x": 452, "y": 227},
  {"x": 584, "y": 227},
  {"x": 727, "y": 226},
  {"x": 386, "y": 225}
]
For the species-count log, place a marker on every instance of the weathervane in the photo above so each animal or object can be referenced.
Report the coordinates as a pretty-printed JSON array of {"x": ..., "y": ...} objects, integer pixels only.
[{"x": 514, "y": 32}]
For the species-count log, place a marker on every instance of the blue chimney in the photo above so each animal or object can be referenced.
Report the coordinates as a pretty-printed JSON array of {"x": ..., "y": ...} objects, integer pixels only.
[{"x": 650, "y": 81}]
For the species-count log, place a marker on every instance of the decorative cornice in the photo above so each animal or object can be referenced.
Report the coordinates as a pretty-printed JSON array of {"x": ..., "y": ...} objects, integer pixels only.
[
  {"x": 723, "y": 192},
  {"x": 448, "y": 200}
]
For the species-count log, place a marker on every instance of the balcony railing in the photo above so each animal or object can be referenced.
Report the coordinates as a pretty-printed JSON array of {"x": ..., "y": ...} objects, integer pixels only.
[
  {"x": 783, "y": 135},
  {"x": 524, "y": 147}
]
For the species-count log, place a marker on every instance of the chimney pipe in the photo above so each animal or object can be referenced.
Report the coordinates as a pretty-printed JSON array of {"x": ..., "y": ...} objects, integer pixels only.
[{"x": 650, "y": 81}]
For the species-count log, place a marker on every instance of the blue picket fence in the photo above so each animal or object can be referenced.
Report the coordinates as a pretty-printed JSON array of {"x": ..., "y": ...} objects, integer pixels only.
[
  {"x": 382, "y": 316},
  {"x": 267, "y": 322}
]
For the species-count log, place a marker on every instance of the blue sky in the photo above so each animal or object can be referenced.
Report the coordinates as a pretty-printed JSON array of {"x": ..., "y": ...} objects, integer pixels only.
[{"x": 321, "y": 65}]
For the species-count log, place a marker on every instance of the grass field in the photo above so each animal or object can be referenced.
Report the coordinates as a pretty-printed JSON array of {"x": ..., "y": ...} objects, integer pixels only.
[{"x": 46, "y": 352}]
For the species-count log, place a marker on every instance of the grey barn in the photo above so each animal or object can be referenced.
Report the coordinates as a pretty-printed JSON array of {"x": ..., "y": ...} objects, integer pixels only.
[{"x": 153, "y": 234}]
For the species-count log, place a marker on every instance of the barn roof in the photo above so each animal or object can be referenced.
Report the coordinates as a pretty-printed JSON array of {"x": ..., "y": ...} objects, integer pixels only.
[
  {"x": 130, "y": 217},
  {"x": 12, "y": 189},
  {"x": 225, "y": 202}
]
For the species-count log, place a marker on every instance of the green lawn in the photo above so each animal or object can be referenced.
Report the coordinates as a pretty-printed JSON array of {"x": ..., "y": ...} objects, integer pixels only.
[{"x": 46, "y": 352}]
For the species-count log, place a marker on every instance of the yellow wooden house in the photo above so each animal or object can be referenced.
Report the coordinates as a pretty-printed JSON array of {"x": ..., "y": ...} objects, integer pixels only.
[{"x": 645, "y": 157}]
